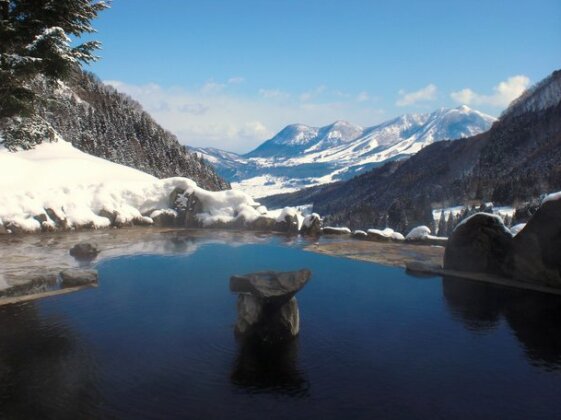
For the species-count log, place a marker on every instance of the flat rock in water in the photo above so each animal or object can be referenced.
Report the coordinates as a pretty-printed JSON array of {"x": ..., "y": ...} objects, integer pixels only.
[
  {"x": 73, "y": 277},
  {"x": 271, "y": 285},
  {"x": 84, "y": 251}
]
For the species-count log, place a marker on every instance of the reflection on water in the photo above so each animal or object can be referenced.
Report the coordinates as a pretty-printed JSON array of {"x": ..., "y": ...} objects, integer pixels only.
[
  {"x": 155, "y": 340},
  {"x": 535, "y": 318},
  {"x": 261, "y": 367},
  {"x": 44, "y": 368}
]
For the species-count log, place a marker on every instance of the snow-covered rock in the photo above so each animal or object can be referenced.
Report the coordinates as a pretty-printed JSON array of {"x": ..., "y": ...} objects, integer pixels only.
[
  {"x": 360, "y": 234},
  {"x": 552, "y": 197},
  {"x": 311, "y": 224},
  {"x": 55, "y": 182},
  {"x": 517, "y": 228},
  {"x": 420, "y": 232},
  {"x": 386, "y": 234},
  {"x": 332, "y": 230}
]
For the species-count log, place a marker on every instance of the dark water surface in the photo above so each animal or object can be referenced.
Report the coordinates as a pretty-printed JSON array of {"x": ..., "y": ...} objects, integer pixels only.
[{"x": 155, "y": 340}]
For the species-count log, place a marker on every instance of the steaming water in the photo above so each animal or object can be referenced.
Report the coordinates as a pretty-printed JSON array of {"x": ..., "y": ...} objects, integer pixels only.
[{"x": 155, "y": 340}]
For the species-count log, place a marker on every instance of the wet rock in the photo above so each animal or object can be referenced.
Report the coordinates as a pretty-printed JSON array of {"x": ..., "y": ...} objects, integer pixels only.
[
  {"x": 481, "y": 243},
  {"x": 84, "y": 251},
  {"x": 536, "y": 255},
  {"x": 360, "y": 234},
  {"x": 15, "y": 228},
  {"x": 267, "y": 309},
  {"x": 192, "y": 206},
  {"x": 312, "y": 225},
  {"x": 3, "y": 230},
  {"x": 76, "y": 277},
  {"x": 262, "y": 223},
  {"x": 288, "y": 225},
  {"x": 61, "y": 223},
  {"x": 265, "y": 321},
  {"x": 174, "y": 195},
  {"x": 164, "y": 218},
  {"x": 142, "y": 221},
  {"x": 111, "y": 215},
  {"x": 329, "y": 230},
  {"x": 41, "y": 218},
  {"x": 271, "y": 284}
]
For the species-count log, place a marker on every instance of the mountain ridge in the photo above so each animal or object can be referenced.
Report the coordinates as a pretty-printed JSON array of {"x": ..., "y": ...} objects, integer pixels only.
[
  {"x": 517, "y": 160},
  {"x": 300, "y": 156}
]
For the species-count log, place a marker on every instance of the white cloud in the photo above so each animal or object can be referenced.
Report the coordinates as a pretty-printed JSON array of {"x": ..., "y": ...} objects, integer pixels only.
[
  {"x": 312, "y": 94},
  {"x": 426, "y": 94},
  {"x": 236, "y": 80},
  {"x": 503, "y": 94},
  {"x": 273, "y": 93},
  {"x": 215, "y": 115},
  {"x": 211, "y": 87},
  {"x": 362, "y": 96}
]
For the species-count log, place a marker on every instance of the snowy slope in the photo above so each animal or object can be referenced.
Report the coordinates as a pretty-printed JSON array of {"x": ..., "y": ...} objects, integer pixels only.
[
  {"x": 300, "y": 156},
  {"x": 77, "y": 187}
]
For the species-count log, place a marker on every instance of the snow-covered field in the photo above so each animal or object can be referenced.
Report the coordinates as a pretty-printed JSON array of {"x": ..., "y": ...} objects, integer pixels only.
[{"x": 76, "y": 186}]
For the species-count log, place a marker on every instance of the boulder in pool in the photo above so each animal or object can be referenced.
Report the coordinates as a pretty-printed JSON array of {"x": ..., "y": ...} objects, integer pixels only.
[
  {"x": 271, "y": 285},
  {"x": 536, "y": 254},
  {"x": 481, "y": 243},
  {"x": 267, "y": 308}
]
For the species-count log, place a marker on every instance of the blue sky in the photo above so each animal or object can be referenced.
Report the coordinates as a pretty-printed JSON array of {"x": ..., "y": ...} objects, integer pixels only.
[{"x": 230, "y": 74}]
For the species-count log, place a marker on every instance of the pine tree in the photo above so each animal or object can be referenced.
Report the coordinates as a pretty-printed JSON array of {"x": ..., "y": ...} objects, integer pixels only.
[
  {"x": 442, "y": 225},
  {"x": 34, "y": 40}
]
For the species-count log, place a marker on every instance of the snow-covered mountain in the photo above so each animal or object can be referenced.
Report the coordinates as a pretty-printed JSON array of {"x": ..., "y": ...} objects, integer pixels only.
[{"x": 300, "y": 156}]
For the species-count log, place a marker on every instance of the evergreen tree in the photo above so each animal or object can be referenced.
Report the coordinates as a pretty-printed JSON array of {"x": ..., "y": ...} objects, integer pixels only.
[
  {"x": 34, "y": 40},
  {"x": 442, "y": 225}
]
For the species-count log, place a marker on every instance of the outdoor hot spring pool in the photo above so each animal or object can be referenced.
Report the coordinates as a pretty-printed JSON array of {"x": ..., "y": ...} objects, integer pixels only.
[{"x": 155, "y": 340}]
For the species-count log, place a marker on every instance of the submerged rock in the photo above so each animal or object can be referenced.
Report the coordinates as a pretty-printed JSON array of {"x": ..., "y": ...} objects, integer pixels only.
[
  {"x": 84, "y": 251},
  {"x": 73, "y": 277},
  {"x": 267, "y": 308},
  {"x": 536, "y": 255},
  {"x": 481, "y": 243}
]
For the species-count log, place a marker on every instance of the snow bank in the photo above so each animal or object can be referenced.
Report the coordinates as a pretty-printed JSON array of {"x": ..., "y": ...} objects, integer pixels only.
[
  {"x": 79, "y": 187},
  {"x": 387, "y": 233}
]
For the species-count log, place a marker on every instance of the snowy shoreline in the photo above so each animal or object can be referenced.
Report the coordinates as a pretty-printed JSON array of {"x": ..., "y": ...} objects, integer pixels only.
[{"x": 57, "y": 187}]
